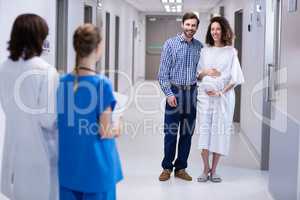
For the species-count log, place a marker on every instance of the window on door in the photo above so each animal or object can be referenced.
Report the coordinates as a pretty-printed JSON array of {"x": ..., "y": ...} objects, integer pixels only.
[
  {"x": 88, "y": 14},
  {"x": 61, "y": 35}
]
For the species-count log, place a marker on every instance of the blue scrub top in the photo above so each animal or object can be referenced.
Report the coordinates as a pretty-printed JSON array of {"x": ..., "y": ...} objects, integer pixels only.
[{"x": 87, "y": 163}]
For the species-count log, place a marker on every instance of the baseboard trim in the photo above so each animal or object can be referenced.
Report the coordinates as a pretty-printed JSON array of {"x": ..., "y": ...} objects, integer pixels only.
[{"x": 250, "y": 147}]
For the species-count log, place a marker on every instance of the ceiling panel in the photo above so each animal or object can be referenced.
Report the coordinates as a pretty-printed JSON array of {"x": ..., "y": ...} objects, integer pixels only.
[{"x": 188, "y": 5}]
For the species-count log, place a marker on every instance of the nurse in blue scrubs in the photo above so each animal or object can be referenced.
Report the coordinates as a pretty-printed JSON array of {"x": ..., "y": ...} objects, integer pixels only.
[{"x": 89, "y": 165}]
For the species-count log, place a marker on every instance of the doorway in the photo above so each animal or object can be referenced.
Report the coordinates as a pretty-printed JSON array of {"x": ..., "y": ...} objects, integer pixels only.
[
  {"x": 158, "y": 30},
  {"x": 283, "y": 94},
  {"x": 238, "y": 44},
  {"x": 99, "y": 23},
  {"x": 117, "y": 46},
  {"x": 88, "y": 14},
  {"x": 107, "y": 43},
  {"x": 134, "y": 33},
  {"x": 61, "y": 56},
  {"x": 272, "y": 66}
]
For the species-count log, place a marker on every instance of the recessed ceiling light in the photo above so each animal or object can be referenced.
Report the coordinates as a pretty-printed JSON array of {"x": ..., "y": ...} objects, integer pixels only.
[
  {"x": 99, "y": 4},
  {"x": 172, "y": 5},
  {"x": 167, "y": 7}
]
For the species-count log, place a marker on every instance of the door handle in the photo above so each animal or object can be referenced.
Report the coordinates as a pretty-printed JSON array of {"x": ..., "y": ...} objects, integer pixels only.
[{"x": 271, "y": 83}]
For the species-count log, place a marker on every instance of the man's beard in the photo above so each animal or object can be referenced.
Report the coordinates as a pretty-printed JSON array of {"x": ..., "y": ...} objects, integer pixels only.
[{"x": 189, "y": 34}]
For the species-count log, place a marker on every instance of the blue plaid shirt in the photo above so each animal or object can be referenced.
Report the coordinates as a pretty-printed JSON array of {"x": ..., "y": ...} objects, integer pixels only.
[{"x": 178, "y": 63}]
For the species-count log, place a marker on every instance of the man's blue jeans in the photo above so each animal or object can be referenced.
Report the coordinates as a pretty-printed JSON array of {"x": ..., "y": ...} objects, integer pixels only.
[{"x": 182, "y": 118}]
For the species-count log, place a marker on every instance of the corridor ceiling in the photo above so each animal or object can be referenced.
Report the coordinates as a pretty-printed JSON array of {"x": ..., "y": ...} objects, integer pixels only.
[{"x": 156, "y": 6}]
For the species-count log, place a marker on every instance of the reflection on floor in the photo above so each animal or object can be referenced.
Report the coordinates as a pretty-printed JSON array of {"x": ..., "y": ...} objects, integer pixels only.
[{"x": 141, "y": 149}]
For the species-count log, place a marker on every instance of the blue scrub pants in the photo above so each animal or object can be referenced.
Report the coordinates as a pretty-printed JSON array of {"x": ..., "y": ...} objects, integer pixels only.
[{"x": 67, "y": 194}]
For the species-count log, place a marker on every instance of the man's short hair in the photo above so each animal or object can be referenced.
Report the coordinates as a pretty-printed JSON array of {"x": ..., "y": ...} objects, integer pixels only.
[{"x": 190, "y": 15}]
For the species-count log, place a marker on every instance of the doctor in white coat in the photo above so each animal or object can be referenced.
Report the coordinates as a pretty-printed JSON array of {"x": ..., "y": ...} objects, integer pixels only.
[{"x": 27, "y": 96}]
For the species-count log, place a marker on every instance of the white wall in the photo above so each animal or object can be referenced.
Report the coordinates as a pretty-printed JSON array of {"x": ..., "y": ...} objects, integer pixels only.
[
  {"x": 204, "y": 22},
  {"x": 1, "y": 48},
  {"x": 252, "y": 66},
  {"x": 2, "y": 128},
  {"x": 230, "y": 7},
  {"x": 75, "y": 18},
  {"x": 2, "y": 122},
  {"x": 127, "y": 14},
  {"x": 141, "y": 49},
  {"x": 11, "y": 9},
  {"x": 284, "y": 173},
  {"x": 47, "y": 9}
]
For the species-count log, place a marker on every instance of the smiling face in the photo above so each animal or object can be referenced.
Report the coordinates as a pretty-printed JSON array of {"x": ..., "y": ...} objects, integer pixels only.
[
  {"x": 216, "y": 32},
  {"x": 189, "y": 27}
]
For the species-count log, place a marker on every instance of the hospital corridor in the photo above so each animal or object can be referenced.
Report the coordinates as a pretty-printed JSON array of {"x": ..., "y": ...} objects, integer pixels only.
[{"x": 149, "y": 100}]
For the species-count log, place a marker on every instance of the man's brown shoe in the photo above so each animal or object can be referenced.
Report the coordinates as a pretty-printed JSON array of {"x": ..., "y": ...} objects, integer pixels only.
[
  {"x": 165, "y": 175},
  {"x": 183, "y": 175}
]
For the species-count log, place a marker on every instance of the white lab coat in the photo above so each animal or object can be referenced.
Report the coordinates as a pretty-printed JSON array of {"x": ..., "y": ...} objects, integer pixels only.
[{"x": 28, "y": 96}]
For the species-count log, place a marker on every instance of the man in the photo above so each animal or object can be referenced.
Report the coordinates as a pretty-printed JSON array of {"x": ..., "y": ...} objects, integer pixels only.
[{"x": 177, "y": 78}]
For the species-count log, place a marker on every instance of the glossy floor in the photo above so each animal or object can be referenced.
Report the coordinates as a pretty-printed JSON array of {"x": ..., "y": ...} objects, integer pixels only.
[{"x": 141, "y": 150}]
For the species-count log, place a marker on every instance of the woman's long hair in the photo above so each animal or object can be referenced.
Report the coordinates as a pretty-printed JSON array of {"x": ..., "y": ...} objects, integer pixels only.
[{"x": 227, "y": 34}]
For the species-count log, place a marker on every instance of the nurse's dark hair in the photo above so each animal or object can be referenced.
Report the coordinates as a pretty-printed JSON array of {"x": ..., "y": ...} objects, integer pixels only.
[
  {"x": 227, "y": 34},
  {"x": 28, "y": 34},
  {"x": 190, "y": 15},
  {"x": 86, "y": 39}
]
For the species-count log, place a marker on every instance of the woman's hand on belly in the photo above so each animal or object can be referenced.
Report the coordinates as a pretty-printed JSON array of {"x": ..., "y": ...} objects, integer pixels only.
[
  {"x": 213, "y": 72},
  {"x": 214, "y": 93}
]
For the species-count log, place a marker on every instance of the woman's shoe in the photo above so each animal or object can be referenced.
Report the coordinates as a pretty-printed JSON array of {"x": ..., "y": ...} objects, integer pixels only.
[
  {"x": 215, "y": 178},
  {"x": 203, "y": 178}
]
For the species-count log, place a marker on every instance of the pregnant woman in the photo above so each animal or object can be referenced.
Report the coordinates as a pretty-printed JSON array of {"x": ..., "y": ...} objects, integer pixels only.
[{"x": 216, "y": 97}]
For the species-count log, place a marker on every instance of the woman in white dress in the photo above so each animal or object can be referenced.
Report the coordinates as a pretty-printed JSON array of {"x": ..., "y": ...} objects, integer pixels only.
[
  {"x": 27, "y": 96},
  {"x": 216, "y": 96}
]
